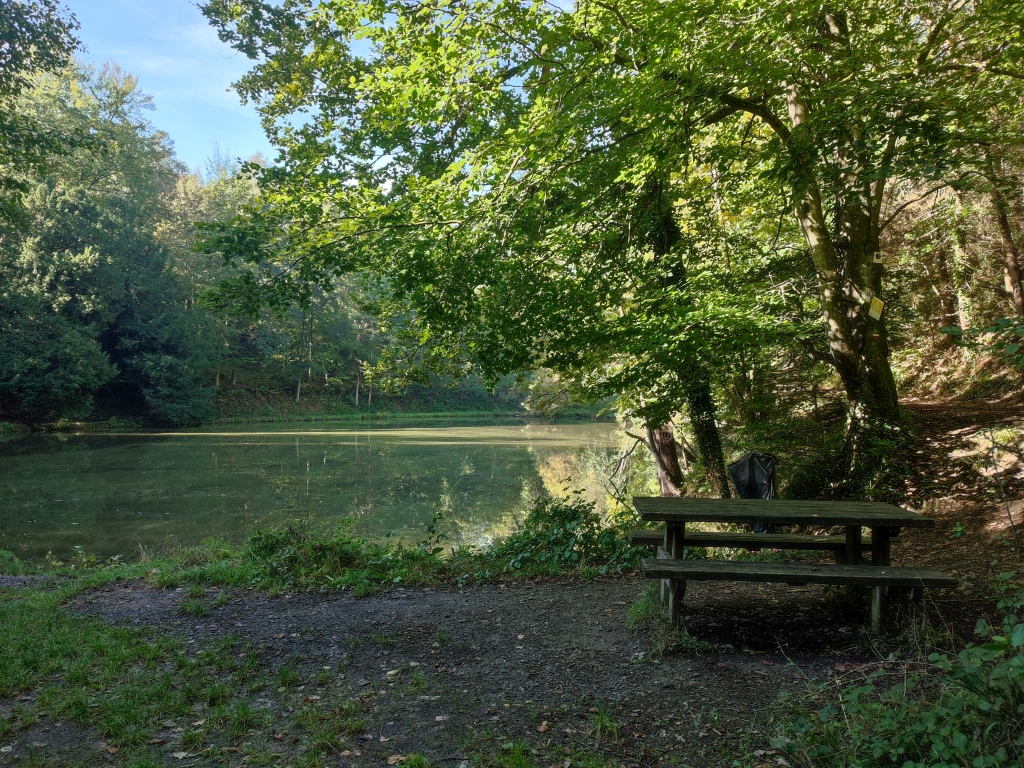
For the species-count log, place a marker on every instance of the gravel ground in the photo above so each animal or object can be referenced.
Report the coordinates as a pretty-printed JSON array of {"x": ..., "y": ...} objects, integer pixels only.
[{"x": 534, "y": 661}]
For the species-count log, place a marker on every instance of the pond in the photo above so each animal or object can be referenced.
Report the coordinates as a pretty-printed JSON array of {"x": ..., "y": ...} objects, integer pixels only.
[{"x": 112, "y": 493}]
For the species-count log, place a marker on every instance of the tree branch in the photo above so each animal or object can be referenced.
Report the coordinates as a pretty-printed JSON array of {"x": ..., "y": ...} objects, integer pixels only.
[
  {"x": 817, "y": 354},
  {"x": 759, "y": 110}
]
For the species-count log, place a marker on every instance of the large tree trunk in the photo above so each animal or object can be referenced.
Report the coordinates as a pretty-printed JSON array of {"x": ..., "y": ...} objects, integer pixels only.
[
  {"x": 662, "y": 444},
  {"x": 701, "y": 407},
  {"x": 1011, "y": 254},
  {"x": 848, "y": 280}
]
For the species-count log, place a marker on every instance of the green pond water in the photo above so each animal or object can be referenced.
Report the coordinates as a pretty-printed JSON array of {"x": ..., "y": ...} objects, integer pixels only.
[{"x": 109, "y": 493}]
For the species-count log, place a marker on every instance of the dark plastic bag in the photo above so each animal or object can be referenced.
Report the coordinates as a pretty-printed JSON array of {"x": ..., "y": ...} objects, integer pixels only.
[{"x": 753, "y": 474}]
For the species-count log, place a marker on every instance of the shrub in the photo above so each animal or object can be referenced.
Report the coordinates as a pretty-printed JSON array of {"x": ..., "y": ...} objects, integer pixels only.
[
  {"x": 10, "y": 565},
  {"x": 292, "y": 554},
  {"x": 964, "y": 711},
  {"x": 567, "y": 533}
]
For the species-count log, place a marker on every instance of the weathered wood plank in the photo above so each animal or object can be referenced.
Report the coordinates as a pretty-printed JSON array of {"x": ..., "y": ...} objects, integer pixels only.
[
  {"x": 880, "y": 553},
  {"x": 749, "y": 540},
  {"x": 797, "y": 573},
  {"x": 854, "y": 545},
  {"x": 779, "y": 512}
]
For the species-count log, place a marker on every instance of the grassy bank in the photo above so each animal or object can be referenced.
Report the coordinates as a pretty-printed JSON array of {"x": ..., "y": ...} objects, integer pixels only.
[
  {"x": 123, "y": 685},
  {"x": 377, "y": 417}
]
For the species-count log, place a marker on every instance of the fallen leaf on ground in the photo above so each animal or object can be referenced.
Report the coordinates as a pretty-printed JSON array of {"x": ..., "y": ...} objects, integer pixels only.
[
  {"x": 8, "y": 748},
  {"x": 198, "y": 722},
  {"x": 156, "y": 741},
  {"x": 112, "y": 750},
  {"x": 395, "y": 759},
  {"x": 543, "y": 727},
  {"x": 179, "y": 755}
]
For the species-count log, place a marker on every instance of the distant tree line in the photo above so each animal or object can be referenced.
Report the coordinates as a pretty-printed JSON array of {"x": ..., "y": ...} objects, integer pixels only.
[{"x": 100, "y": 285}]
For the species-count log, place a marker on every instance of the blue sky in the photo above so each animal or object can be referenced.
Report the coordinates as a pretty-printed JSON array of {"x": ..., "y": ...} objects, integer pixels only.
[{"x": 182, "y": 64}]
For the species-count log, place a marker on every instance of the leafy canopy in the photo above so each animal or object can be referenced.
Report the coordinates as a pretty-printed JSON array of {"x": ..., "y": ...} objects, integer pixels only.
[{"x": 603, "y": 189}]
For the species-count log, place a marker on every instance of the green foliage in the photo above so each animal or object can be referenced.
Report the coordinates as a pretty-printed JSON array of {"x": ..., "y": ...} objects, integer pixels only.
[
  {"x": 563, "y": 533},
  {"x": 292, "y": 554},
  {"x": 10, "y": 565},
  {"x": 558, "y": 536},
  {"x": 38, "y": 37},
  {"x": 612, "y": 193},
  {"x": 966, "y": 710},
  {"x": 1004, "y": 338},
  {"x": 48, "y": 367}
]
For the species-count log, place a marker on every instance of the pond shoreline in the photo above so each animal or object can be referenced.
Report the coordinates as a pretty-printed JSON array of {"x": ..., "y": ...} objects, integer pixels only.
[{"x": 131, "y": 425}]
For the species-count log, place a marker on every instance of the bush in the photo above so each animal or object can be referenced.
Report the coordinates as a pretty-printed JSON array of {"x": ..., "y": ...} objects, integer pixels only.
[
  {"x": 10, "y": 565},
  {"x": 293, "y": 555},
  {"x": 964, "y": 711},
  {"x": 567, "y": 533}
]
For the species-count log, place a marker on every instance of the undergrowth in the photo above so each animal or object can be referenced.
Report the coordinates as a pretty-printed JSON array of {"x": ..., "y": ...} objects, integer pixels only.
[
  {"x": 556, "y": 537},
  {"x": 948, "y": 712},
  {"x": 646, "y": 614}
]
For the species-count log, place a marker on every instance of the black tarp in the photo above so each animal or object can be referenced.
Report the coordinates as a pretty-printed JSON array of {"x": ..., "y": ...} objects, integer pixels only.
[{"x": 753, "y": 474}]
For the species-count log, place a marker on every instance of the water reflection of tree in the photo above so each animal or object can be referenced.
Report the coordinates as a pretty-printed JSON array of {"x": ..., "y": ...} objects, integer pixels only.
[
  {"x": 191, "y": 488},
  {"x": 600, "y": 476}
]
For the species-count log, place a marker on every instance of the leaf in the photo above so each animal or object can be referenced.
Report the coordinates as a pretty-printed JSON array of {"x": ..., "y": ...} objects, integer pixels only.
[
  {"x": 543, "y": 727},
  {"x": 179, "y": 755},
  {"x": 1017, "y": 636},
  {"x": 395, "y": 759}
]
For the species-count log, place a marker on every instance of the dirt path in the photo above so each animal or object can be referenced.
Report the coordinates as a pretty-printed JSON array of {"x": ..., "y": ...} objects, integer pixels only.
[{"x": 497, "y": 663}]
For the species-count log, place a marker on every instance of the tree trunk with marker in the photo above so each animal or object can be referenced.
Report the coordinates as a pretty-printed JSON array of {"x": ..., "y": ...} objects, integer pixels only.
[{"x": 848, "y": 280}]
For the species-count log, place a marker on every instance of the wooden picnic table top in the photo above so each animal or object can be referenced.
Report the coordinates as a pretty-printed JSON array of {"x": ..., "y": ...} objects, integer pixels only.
[{"x": 870, "y": 513}]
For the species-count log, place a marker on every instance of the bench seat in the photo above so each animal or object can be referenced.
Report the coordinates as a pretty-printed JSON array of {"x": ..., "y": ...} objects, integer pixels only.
[
  {"x": 797, "y": 573},
  {"x": 751, "y": 540}
]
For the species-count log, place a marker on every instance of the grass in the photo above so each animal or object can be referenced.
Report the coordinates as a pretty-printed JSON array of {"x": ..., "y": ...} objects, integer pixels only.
[
  {"x": 125, "y": 685},
  {"x": 647, "y": 614}
]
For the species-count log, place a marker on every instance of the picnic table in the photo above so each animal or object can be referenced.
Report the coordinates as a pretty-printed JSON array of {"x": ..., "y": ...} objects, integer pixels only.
[{"x": 884, "y": 520}]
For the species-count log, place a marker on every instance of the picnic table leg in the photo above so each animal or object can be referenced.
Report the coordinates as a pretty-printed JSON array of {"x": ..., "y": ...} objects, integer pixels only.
[
  {"x": 879, "y": 595},
  {"x": 673, "y": 590},
  {"x": 853, "y": 545}
]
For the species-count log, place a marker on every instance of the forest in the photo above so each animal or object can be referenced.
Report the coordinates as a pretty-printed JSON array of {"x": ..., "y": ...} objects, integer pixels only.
[
  {"x": 100, "y": 283},
  {"x": 787, "y": 226},
  {"x": 657, "y": 228}
]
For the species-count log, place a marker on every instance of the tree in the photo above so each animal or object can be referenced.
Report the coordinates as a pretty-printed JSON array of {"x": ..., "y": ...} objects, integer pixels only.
[
  {"x": 37, "y": 37},
  {"x": 456, "y": 102},
  {"x": 98, "y": 319}
]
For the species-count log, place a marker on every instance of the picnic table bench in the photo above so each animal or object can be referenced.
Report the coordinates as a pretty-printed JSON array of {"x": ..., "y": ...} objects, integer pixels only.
[{"x": 884, "y": 520}]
